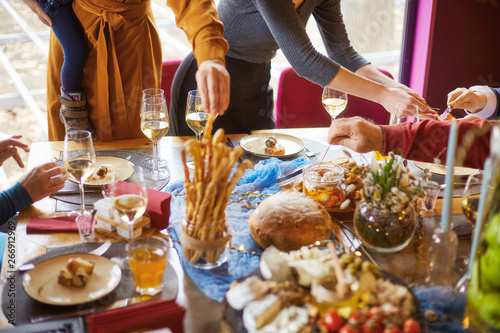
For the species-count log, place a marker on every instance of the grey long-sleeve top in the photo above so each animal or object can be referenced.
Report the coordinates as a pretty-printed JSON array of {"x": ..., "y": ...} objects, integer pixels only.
[{"x": 255, "y": 29}]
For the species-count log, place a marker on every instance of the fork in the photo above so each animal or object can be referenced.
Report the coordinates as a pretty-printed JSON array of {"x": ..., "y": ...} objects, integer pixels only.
[
  {"x": 98, "y": 252},
  {"x": 312, "y": 156}
]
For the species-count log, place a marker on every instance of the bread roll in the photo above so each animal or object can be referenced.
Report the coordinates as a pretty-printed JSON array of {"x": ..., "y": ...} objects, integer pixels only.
[{"x": 289, "y": 220}]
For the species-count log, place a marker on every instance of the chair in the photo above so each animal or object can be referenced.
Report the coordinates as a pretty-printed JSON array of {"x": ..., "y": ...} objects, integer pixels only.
[
  {"x": 169, "y": 67},
  {"x": 298, "y": 104}
]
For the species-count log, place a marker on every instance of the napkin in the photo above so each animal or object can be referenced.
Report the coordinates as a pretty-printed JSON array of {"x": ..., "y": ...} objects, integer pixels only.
[
  {"x": 38, "y": 225},
  {"x": 147, "y": 315},
  {"x": 158, "y": 208}
]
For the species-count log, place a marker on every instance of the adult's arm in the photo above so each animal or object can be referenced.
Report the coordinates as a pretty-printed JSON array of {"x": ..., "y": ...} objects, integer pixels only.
[
  {"x": 200, "y": 21},
  {"x": 336, "y": 70},
  {"x": 427, "y": 140},
  {"x": 13, "y": 200}
]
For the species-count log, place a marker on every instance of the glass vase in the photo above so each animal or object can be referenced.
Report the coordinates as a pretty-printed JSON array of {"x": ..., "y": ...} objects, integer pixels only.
[{"x": 383, "y": 230}]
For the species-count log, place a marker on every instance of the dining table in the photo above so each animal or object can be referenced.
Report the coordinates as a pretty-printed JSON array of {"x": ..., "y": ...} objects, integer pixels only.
[{"x": 203, "y": 314}]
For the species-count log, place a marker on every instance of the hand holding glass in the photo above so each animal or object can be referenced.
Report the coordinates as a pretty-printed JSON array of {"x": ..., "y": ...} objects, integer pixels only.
[
  {"x": 79, "y": 158},
  {"x": 154, "y": 125}
]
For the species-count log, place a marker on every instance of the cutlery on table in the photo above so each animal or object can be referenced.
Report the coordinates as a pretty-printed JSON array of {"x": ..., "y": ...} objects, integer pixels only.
[
  {"x": 231, "y": 144},
  {"x": 97, "y": 252},
  {"x": 115, "y": 305},
  {"x": 311, "y": 155}
]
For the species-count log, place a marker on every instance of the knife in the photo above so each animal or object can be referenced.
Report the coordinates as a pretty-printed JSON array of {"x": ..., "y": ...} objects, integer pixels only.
[
  {"x": 446, "y": 112},
  {"x": 116, "y": 305},
  {"x": 77, "y": 192}
]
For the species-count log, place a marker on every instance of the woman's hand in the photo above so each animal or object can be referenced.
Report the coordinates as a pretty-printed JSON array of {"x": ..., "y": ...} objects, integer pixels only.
[
  {"x": 37, "y": 9},
  {"x": 8, "y": 149},
  {"x": 44, "y": 180},
  {"x": 404, "y": 103},
  {"x": 214, "y": 85},
  {"x": 462, "y": 98}
]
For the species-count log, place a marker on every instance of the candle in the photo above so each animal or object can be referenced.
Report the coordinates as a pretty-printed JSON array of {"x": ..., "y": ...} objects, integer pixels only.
[
  {"x": 480, "y": 210},
  {"x": 450, "y": 163}
]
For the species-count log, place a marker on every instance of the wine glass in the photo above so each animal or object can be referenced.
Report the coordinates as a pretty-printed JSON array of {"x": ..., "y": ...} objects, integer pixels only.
[
  {"x": 148, "y": 93},
  {"x": 334, "y": 102},
  {"x": 470, "y": 197},
  {"x": 130, "y": 197},
  {"x": 79, "y": 159},
  {"x": 154, "y": 125},
  {"x": 196, "y": 118}
]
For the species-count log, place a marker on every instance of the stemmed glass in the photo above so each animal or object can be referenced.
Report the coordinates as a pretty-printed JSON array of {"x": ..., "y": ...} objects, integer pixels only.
[
  {"x": 79, "y": 159},
  {"x": 154, "y": 125},
  {"x": 334, "y": 102},
  {"x": 196, "y": 118},
  {"x": 130, "y": 198},
  {"x": 470, "y": 197},
  {"x": 148, "y": 93}
]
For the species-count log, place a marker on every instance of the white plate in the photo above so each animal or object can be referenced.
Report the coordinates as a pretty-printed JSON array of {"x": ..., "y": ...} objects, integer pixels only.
[
  {"x": 41, "y": 282},
  {"x": 441, "y": 169},
  {"x": 124, "y": 169},
  {"x": 256, "y": 143}
]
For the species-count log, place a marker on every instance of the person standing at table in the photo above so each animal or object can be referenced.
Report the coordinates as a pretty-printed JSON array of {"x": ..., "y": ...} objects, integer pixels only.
[
  {"x": 255, "y": 30},
  {"x": 125, "y": 57},
  {"x": 59, "y": 15},
  {"x": 481, "y": 101}
]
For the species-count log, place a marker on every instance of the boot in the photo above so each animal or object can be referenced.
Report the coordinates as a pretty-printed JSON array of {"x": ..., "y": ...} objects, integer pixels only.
[{"x": 74, "y": 114}]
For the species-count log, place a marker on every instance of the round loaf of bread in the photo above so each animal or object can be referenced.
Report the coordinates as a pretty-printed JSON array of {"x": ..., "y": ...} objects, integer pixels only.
[{"x": 289, "y": 220}]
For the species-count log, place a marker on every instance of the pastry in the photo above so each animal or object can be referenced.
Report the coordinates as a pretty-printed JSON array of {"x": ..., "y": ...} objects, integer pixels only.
[{"x": 76, "y": 273}]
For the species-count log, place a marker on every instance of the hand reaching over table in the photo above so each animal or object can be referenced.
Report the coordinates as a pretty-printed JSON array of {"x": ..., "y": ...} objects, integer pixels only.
[
  {"x": 357, "y": 134},
  {"x": 213, "y": 83},
  {"x": 44, "y": 180}
]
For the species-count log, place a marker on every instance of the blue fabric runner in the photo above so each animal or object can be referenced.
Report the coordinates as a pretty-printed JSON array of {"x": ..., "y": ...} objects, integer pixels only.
[{"x": 262, "y": 178}]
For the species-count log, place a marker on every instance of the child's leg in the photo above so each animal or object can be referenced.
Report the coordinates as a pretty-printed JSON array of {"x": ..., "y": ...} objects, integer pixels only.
[{"x": 70, "y": 34}]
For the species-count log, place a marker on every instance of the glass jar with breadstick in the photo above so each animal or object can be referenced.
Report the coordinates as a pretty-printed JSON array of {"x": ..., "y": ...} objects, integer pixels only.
[{"x": 204, "y": 234}]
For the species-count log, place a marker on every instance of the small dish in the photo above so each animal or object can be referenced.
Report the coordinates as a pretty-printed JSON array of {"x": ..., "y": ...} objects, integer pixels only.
[
  {"x": 41, "y": 284},
  {"x": 123, "y": 168},
  {"x": 256, "y": 143},
  {"x": 441, "y": 169}
]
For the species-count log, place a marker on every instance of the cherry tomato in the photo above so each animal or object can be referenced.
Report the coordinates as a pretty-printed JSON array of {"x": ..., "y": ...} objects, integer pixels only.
[
  {"x": 356, "y": 317},
  {"x": 349, "y": 329},
  {"x": 333, "y": 321},
  {"x": 391, "y": 328},
  {"x": 372, "y": 326},
  {"x": 411, "y": 326}
]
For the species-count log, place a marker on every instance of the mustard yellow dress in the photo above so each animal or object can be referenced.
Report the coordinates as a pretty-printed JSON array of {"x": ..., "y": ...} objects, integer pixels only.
[{"x": 125, "y": 57}]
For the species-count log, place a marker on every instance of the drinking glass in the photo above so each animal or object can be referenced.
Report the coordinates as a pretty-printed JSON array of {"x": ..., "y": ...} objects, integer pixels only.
[
  {"x": 147, "y": 257},
  {"x": 79, "y": 159},
  {"x": 148, "y": 93},
  {"x": 470, "y": 197},
  {"x": 196, "y": 118},
  {"x": 334, "y": 102},
  {"x": 154, "y": 125},
  {"x": 130, "y": 198}
]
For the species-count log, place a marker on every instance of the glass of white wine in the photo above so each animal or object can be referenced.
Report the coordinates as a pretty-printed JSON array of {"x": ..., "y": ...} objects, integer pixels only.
[
  {"x": 130, "y": 198},
  {"x": 79, "y": 159},
  {"x": 470, "y": 197},
  {"x": 334, "y": 102},
  {"x": 196, "y": 118},
  {"x": 154, "y": 125},
  {"x": 148, "y": 93}
]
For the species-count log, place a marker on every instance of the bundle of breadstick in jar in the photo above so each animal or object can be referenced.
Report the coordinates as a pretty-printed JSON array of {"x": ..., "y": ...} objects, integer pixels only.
[{"x": 204, "y": 234}]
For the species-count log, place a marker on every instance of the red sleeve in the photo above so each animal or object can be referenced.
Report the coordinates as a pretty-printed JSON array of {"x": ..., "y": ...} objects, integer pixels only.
[{"x": 428, "y": 139}]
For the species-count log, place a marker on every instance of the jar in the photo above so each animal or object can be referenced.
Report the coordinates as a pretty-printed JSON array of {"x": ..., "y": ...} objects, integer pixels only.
[
  {"x": 323, "y": 183},
  {"x": 205, "y": 249},
  {"x": 382, "y": 229},
  {"x": 483, "y": 296}
]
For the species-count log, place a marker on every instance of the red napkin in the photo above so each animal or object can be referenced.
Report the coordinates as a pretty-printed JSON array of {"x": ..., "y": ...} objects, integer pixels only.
[
  {"x": 37, "y": 225},
  {"x": 148, "y": 315},
  {"x": 159, "y": 208}
]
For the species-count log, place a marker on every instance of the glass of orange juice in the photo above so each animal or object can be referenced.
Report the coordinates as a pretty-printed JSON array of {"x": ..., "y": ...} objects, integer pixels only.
[{"x": 147, "y": 257}]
